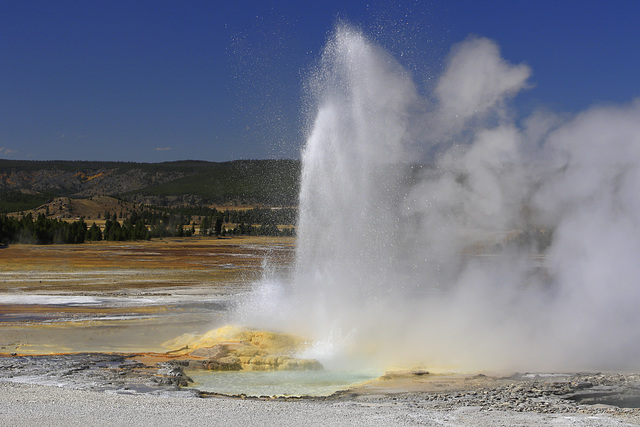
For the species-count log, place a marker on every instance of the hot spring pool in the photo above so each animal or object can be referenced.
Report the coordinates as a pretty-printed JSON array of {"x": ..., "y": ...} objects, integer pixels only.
[{"x": 278, "y": 383}]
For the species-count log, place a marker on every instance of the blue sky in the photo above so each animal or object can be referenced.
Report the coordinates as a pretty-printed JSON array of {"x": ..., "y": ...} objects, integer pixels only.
[{"x": 151, "y": 81}]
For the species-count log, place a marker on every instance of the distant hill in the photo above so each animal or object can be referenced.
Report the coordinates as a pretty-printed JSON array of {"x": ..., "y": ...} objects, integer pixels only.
[
  {"x": 90, "y": 209},
  {"x": 26, "y": 184}
]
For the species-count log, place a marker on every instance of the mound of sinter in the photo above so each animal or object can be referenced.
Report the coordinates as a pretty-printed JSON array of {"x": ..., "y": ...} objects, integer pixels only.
[{"x": 232, "y": 348}]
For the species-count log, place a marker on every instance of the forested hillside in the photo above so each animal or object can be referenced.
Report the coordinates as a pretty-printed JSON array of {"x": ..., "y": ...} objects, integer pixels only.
[{"x": 27, "y": 184}]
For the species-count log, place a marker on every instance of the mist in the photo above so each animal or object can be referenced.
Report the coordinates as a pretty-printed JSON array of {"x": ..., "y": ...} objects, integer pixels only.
[{"x": 436, "y": 229}]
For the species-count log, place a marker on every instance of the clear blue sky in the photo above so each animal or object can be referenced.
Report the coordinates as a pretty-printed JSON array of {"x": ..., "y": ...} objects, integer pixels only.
[{"x": 168, "y": 80}]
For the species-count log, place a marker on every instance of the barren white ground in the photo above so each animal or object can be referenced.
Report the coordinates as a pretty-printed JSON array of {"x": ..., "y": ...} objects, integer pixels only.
[{"x": 34, "y": 405}]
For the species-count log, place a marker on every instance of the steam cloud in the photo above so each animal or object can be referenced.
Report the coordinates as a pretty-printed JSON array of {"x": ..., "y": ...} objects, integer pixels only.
[{"x": 516, "y": 248}]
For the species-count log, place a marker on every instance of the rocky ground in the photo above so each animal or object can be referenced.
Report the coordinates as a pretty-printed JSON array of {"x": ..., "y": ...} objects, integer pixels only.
[
  {"x": 95, "y": 371},
  {"x": 588, "y": 393},
  {"x": 415, "y": 397}
]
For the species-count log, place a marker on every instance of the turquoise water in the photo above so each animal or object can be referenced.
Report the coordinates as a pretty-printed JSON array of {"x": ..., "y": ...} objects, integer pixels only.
[{"x": 278, "y": 383}]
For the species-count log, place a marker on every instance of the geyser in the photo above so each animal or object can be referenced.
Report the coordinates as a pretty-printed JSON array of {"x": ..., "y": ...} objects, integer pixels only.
[{"x": 436, "y": 229}]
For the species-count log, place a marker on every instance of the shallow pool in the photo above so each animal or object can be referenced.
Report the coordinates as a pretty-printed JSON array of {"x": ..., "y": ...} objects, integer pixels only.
[{"x": 278, "y": 383}]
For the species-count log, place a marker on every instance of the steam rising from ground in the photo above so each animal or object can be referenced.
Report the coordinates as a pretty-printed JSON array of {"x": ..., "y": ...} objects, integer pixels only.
[{"x": 516, "y": 248}]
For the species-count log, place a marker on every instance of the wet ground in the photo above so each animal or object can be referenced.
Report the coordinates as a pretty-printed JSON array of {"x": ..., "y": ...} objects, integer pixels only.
[{"x": 131, "y": 296}]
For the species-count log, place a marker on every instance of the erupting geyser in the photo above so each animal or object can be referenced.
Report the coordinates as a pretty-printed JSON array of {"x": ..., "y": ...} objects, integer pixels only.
[{"x": 439, "y": 230}]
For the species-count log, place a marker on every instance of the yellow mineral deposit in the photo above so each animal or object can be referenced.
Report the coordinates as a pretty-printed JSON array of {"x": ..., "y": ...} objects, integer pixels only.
[{"x": 233, "y": 348}]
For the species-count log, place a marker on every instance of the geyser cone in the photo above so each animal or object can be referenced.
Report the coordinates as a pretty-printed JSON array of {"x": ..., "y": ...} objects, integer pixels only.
[{"x": 512, "y": 245}]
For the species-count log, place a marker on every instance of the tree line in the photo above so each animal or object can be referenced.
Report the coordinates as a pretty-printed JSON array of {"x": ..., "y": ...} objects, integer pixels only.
[
  {"x": 258, "y": 216},
  {"x": 144, "y": 225},
  {"x": 41, "y": 230},
  {"x": 44, "y": 231}
]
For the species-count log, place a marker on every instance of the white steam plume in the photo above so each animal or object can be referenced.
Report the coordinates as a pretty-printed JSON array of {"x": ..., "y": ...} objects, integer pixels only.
[{"x": 517, "y": 248}]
